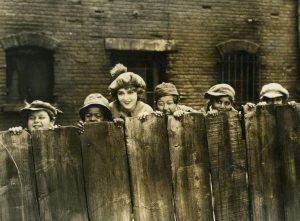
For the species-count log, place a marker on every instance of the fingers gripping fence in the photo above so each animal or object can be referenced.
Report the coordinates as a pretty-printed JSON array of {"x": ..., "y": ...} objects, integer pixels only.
[{"x": 197, "y": 168}]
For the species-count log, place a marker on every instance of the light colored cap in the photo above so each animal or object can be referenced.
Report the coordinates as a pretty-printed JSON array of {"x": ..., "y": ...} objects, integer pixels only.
[
  {"x": 165, "y": 89},
  {"x": 41, "y": 105},
  {"x": 273, "y": 90},
  {"x": 96, "y": 99},
  {"x": 220, "y": 90}
]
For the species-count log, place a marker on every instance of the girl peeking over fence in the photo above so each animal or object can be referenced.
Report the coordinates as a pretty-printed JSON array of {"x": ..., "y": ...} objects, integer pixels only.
[
  {"x": 272, "y": 93},
  {"x": 167, "y": 99},
  {"x": 39, "y": 116},
  {"x": 95, "y": 109},
  {"x": 127, "y": 89},
  {"x": 220, "y": 98}
]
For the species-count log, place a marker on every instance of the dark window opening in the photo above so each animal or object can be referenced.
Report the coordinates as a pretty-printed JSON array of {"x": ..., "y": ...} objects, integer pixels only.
[
  {"x": 151, "y": 66},
  {"x": 29, "y": 74},
  {"x": 241, "y": 70}
]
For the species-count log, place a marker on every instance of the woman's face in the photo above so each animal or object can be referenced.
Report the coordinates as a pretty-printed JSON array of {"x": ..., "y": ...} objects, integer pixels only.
[
  {"x": 222, "y": 104},
  {"x": 275, "y": 100},
  {"x": 39, "y": 120},
  {"x": 93, "y": 114},
  {"x": 128, "y": 98},
  {"x": 166, "y": 104}
]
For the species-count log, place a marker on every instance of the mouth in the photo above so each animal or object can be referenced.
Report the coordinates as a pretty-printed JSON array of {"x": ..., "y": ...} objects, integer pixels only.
[{"x": 36, "y": 127}]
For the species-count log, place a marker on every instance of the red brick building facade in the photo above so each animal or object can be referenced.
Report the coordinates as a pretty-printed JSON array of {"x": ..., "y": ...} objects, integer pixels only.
[{"x": 61, "y": 51}]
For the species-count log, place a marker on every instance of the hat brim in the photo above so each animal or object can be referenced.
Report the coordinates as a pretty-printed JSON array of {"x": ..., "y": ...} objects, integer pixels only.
[
  {"x": 208, "y": 95},
  {"x": 83, "y": 109},
  {"x": 25, "y": 111},
  {"x": 273, "y": 94}
]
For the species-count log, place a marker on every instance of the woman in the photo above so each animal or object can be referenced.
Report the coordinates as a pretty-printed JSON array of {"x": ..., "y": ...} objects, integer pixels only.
[{"x": 127, "y": 89}]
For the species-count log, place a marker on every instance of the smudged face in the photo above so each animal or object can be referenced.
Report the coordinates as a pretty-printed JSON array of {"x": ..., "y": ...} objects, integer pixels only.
[
  {"x": 222, "y": 104},
  {"x": 275, "y": 100},
  {"x": 93, "y": 114},
  {"x": 39, "y": 120},
  {"x": 166, "y": 104},
  {"x": 128, "y": 98}
]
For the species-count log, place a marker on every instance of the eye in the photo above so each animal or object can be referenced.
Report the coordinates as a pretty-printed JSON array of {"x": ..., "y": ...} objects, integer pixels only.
[
  {"x": 31, "y": 118},
  {"x": 160, "y": 103},
  {"x": 219, "y": 102},
  {"x": 88, "y": 115},
  {"x": 170, "y": 102},
  {"x": 227, "y": 103}
]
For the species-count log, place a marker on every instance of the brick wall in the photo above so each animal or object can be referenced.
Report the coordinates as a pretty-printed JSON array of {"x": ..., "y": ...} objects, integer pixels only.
[{"x": 82, "y": 63}]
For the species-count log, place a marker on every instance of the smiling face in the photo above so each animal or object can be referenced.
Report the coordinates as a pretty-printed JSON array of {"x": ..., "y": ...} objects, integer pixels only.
[
  {"x": 93, "y": 114},
  {"x": 39, "y": 120},
  {"x": 166, "y": 104},
  {"x": 128, "y": 98},
  {"x": 222, "y": 104}
]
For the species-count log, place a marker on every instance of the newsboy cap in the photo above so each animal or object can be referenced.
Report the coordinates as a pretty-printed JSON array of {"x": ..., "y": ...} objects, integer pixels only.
[
  {"x": 165, "y": 89},
  {"x": 96, "y": 99},
  {"x": 273, "y": 90},
  {"x": 38, "y": 105},
  {"x": 220, "y": 90}
]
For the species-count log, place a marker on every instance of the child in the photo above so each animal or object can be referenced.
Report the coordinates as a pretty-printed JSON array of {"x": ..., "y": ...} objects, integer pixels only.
[
  {"x": 166, "y": 101},
  {"x": 95, "y": 109},
  {"x": 39, "y": 115},
  {"x": 221, "y": 98},
  {"x": 127, "y": 89}
]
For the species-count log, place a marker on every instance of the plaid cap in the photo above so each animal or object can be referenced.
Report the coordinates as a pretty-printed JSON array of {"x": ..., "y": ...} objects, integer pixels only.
[
  {"x": 38, "y": 105},
  {"x": 220, "y": 90},
  {"x": 165, "y": 89},
  {"x": 98, "y": 100},
  {"x": 273, "y": 90}
]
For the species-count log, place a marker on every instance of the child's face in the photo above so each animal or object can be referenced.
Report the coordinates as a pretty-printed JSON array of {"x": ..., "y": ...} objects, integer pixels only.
[
  {"x": 39, "y": 120},
  {"x": 222, "y": 104},
  {"x": 128, "y": 98},
  {"x": 275, "y": 100},
  {"x": 166, "y": 104},
  {"x": 93, "y": 114}
]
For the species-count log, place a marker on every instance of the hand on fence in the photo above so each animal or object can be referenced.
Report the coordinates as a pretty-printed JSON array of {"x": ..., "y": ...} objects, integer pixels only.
[
  {"x": 292, "y": 103},
  {"x": 143, "y": 115},
  {"x": 15, "y": 130},
  {"x": 158, "y": 113},
  {"x": 80, "y": 127},
  {"x": 119, "y": 122},
  {"x": 178, "y": 113},
  {"x": 212, "y": 112},
  {"x": 54, "y": 127},
  {"x": 261, "y": 103}
]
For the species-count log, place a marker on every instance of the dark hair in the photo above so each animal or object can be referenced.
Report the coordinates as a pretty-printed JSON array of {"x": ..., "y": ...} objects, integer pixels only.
[
  {"x": 106, "y": 114},
  {"x": 175, "y": 98},
  {"x": 139, "y": 90}
]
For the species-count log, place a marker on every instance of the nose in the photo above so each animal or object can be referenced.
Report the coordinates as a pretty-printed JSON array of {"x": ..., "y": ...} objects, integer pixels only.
[{"x": 93, "y": 118}]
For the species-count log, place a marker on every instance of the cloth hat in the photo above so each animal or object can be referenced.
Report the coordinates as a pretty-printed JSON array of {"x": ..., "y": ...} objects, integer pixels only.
[
  {"x": 165, "y": 89},
  {"x": 95, "y": 99},
  {"x": 220, "y": 90},
  {"x": 38, "y": 105},
  {"x": 122, "y": 78},
  {"x": 273, "y": 90}
]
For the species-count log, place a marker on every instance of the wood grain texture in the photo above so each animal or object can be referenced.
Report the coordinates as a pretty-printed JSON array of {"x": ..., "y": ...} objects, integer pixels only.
[
  {"x": 288, "y": 121},
  {"x": 227, "y": 154},
  {"x": 264, "y": 164},
  {"x": 59, "y": 173},
  {"x": 149, "y": 160},
  {"x": 17, "y": 180},
  {"x": 106, "y": 172},
  {"x": 190, "y": 168}
]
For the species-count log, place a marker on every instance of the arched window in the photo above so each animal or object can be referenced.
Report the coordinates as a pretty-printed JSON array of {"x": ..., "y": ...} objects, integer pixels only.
[{"x": 29, "y": 74}]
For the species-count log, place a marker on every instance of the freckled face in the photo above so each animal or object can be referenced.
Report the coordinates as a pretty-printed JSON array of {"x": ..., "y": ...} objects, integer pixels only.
[
  {"x": 166, "y": 104},
  {"x": 93, "y": 114},
  {"x": 128, "y": 98},
  {"x": 222, "y": 104},
  {"x": 39, "y": 120}
]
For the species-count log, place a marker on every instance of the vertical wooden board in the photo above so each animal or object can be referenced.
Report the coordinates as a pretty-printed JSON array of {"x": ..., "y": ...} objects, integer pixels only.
[
  {"x": 17, "y": 181},
  {"x": 150, "y": 169},
  {"x": 106, "y": 172},
  {"x": 59, "y": 174},
  {"x": 288, "y": 121},
  {"x": 227, "y": 154},
  {"x": 263, "y": 164},
  {"x": 190, "y": 168}
]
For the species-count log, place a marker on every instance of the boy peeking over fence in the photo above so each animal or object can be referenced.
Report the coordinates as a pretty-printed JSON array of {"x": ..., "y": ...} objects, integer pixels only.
[
  {"x": 39, "y": 116},
  {"x": 95, "y": 109},
  {"x": 167, "y": 99},
  {"x": 220, "y": 98}
]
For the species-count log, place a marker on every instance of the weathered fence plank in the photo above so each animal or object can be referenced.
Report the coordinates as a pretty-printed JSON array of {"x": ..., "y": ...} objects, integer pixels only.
[
  {"x": 59, "y": 174},
  {"x": 227, "y": 154},
  {"x": 17, "y": 180},
  {"x": 288, "y": 121},
  {"x": 190, "y": 168},
  {"x": 106, "y": 172},
  {"x": 149, "y": 161},
  {"x": 263, "y": 164}
]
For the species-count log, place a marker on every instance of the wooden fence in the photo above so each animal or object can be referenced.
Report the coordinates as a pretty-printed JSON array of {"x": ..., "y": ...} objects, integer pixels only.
[{"x": 220, "y": 168}]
